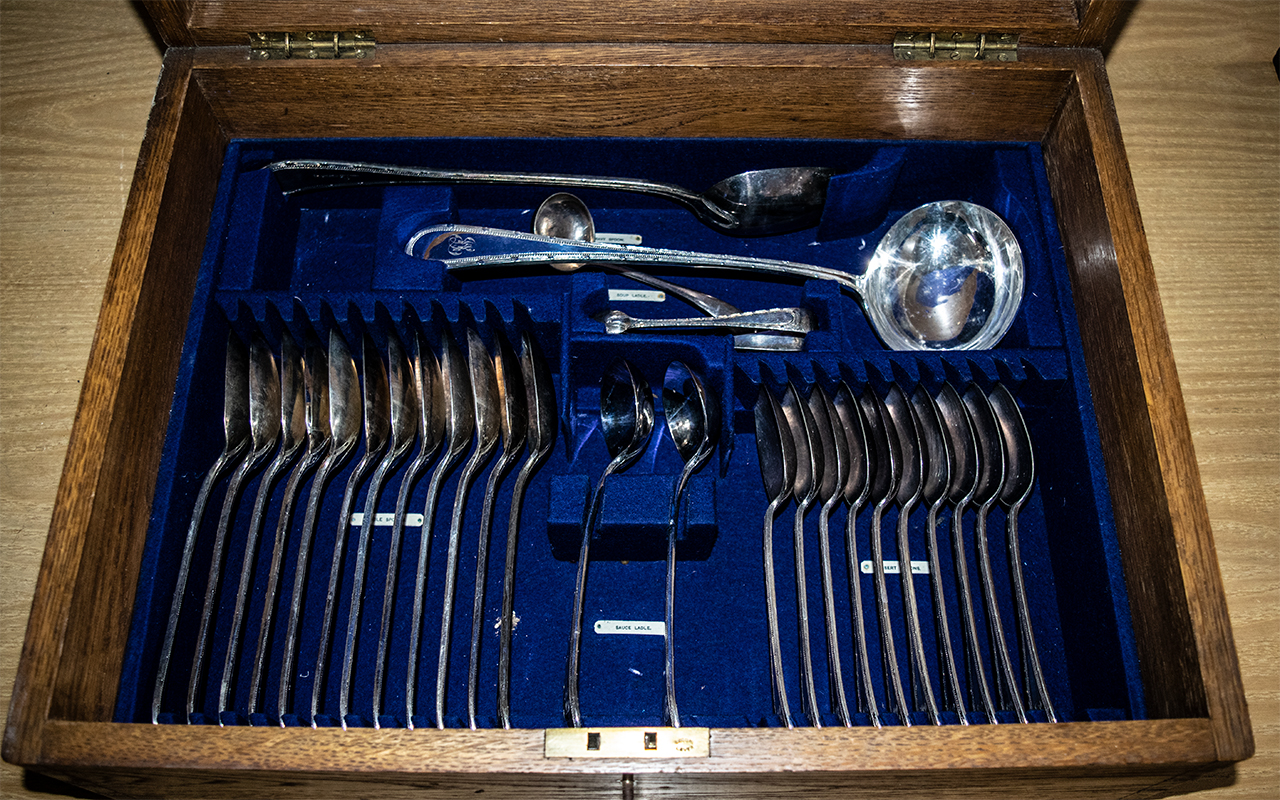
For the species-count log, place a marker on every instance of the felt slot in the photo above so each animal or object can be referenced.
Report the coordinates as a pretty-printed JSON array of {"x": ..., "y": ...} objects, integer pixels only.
[{"x": 335, "y": 260}]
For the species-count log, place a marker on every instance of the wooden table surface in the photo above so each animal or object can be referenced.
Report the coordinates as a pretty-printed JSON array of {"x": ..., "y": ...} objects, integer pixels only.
[{"x": 1199, "y": 104}]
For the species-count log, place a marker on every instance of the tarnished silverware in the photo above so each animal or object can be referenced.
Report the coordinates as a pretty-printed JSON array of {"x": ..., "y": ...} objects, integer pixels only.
[{"x": 777, "y": 455}]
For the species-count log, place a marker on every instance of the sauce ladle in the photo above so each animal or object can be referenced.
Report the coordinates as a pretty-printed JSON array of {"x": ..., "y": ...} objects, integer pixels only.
[
  {"x": 946, "y": 276},
  {"x": 755, "y": 203}
]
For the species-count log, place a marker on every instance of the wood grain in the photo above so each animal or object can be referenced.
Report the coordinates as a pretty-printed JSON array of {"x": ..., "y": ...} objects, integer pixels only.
[{"x": 1197, "y": 100}]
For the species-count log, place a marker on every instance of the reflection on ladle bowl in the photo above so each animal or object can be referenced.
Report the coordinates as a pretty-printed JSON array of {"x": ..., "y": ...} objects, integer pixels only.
[{"x": 946, "y": 276}]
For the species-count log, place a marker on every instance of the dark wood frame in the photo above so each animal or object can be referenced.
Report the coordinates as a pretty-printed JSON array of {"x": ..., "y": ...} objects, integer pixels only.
[{"x": 63, "y": 699}]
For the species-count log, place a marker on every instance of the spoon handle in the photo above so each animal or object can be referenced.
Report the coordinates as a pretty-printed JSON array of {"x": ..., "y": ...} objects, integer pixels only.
[
  {"x": 995, "y": 627},
  {"x": 572, "y": 706},
  {"x": 810, "y": 695},
  {"x": 224, "y": 464},
  {"x": 888, "y": 651},
  {"x": 784, "y": 320},
  {"x": 853, "y": 565},
  {"x": 783, "y": 708},
  {"x": 671, "y": 713},
  {"x": 836, "y": 674},
  {"x": 950, "y": 674},
  {"x": 911, "y": 613},
  {"x": 1030, "y": 656},
  {"x": 977, "y": 677},
  {"x": 461, "y": 247}
]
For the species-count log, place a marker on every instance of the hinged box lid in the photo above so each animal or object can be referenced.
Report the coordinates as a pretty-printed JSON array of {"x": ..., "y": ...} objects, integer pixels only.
[{"x": 1044, "y": 23}]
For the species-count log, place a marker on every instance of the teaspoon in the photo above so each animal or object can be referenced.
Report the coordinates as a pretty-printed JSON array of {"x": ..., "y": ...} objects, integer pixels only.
[
  {"x": 808, "y": 475},
  {"x": 1019, "y": 478},
  {"x": 429, "y": 393},
  {"x": 910, "y": 486},
  {"x": 835, "y": 474},
  {"x": 885, "y": 470},
  {"x": 777, "y": 455},
  {"x": 933, "y": 494},
  {"x": 991, "y": 472},
  {"x": 403, "y": 430},
  {"x": 264, "y": 432},
  {"x": 756, "y": 203},
  {"x": 485, "y": 405},
  {"x": 693, "y": 421},
  {"x": 626, "y": 417},
  {"x": 293, "y": 426},
  {"x": 459, "y": 424},
  {"x": 344, "y": 427},
  {"x": 540, "y": 399},
  {"x": 851, "y": 443},
  {"x": 513, "y": 427},
  {"x": 376, "y": 397},
  {"x": 960, "y": 492},
  {"x": 315, "y": 374},
  {"x": 235, "y": 427}
]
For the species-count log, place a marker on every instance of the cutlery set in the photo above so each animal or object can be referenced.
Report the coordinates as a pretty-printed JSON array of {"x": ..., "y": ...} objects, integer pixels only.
[{"x": 872, "y": 452}]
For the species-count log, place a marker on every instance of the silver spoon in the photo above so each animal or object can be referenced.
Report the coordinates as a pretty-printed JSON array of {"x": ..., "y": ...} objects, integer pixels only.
[
  {"x": 885, "y": 469},
  {"x": 488, "y": 429},
  {"x": 541, "y": 401},
  {"x": 235, "y": 427},
  {"x": 1019, "y": 478},
  {"x": 315, "y": 374},
  {"x": 777, "y": 456},
  {"x": 835, "y": 473},
  {"x": 513, "y": 426},
  {"x": 293, "y": 425},
  {"x": 264, "y": 432},
  {"x": 403, "y": 430},
  {"x": 991, "y": 471},
  {"x": 960, "y": 492},
  {"x": 910, "y": 486},
  {"x": 795, "y": 321},
  {"x": 429, "y": 403},
  {"x": 933, "y": 494},
  {"x": 693, "y": 422},
  {"x": 344, "y": 427},
  {"x": 947, "y": 276},
  {"x": 564, "y": 216},
  {"x": 626, "y": 417},
  {"x": 756, "y": 203},
  {"x": 459, "y": 424},
  {"x": 808, "y": 475},
  {"x": 377, "y": 434},
  {"x": 851, "y": 444}
]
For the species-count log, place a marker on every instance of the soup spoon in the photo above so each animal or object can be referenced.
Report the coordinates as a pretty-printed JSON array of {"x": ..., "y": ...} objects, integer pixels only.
[
  {"x": 777, "y": 455},
  {"x": 693, "y": 421},
  {"x": 626, "y": 417},
  {"x": 946, "y": 276},
  {"x": 756, "y": 203},
  {"x": 835, "y": 474}
]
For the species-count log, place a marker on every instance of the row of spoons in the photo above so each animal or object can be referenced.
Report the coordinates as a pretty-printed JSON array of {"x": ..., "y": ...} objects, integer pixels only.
[
  {"x": 965, "y": 450},
  {"x": 309, "y": 414}
]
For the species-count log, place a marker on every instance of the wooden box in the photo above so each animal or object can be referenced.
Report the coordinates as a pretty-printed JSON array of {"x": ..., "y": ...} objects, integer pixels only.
[{"x": 820, "y": 71}]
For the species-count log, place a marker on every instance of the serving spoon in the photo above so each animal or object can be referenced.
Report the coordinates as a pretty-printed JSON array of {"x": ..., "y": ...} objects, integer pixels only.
[
  {"x": 777, "y": 456},
  {"x": 236, "y": 441},
  {"x": 626, "y": 418},
  {"x": 693, "y": 422},
  {"x": 947, "y": 275},
  {"x": 755, "y": 203},
  {"x": 1019, "y": 478}
]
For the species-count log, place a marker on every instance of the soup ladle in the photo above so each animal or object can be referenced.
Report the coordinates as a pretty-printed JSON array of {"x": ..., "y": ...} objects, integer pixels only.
[
  {"x": 1019, "y": 478},
  {"x": 236, "y": 443},
  {"x": 626, "y": 419},
  {"x": 960, "y": 493},
  {"x": 777, "y": 456},
  {"x": 946, "y": 276},
  {"x": 693, "y": 422},
  {"x": 991, "y": 472},
  {"x": 759, "y": 202}
]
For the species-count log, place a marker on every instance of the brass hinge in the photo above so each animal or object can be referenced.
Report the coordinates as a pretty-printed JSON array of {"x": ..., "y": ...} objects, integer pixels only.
[
  {"x": 312, "y": 44},
  {"x": 955, "y": 46}
]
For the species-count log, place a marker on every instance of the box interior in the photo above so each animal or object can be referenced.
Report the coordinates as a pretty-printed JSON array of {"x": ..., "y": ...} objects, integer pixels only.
[{"x": 329, "y": 260}]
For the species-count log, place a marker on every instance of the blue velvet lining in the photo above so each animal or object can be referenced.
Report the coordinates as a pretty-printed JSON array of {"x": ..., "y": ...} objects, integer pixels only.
[{"x": 335, "y": 259}]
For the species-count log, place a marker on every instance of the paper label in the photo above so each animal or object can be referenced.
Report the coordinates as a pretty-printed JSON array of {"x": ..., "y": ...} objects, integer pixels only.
[
  {"x": 892, "y": 568},
  {"x": 386, "y": 520},
  {"x": 630, "y": 627},
  {"x": 637, "y": 295}
]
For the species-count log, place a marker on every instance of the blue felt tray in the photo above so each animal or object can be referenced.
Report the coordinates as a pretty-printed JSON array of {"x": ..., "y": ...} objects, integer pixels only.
[{"x": 334, "y": 259}]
